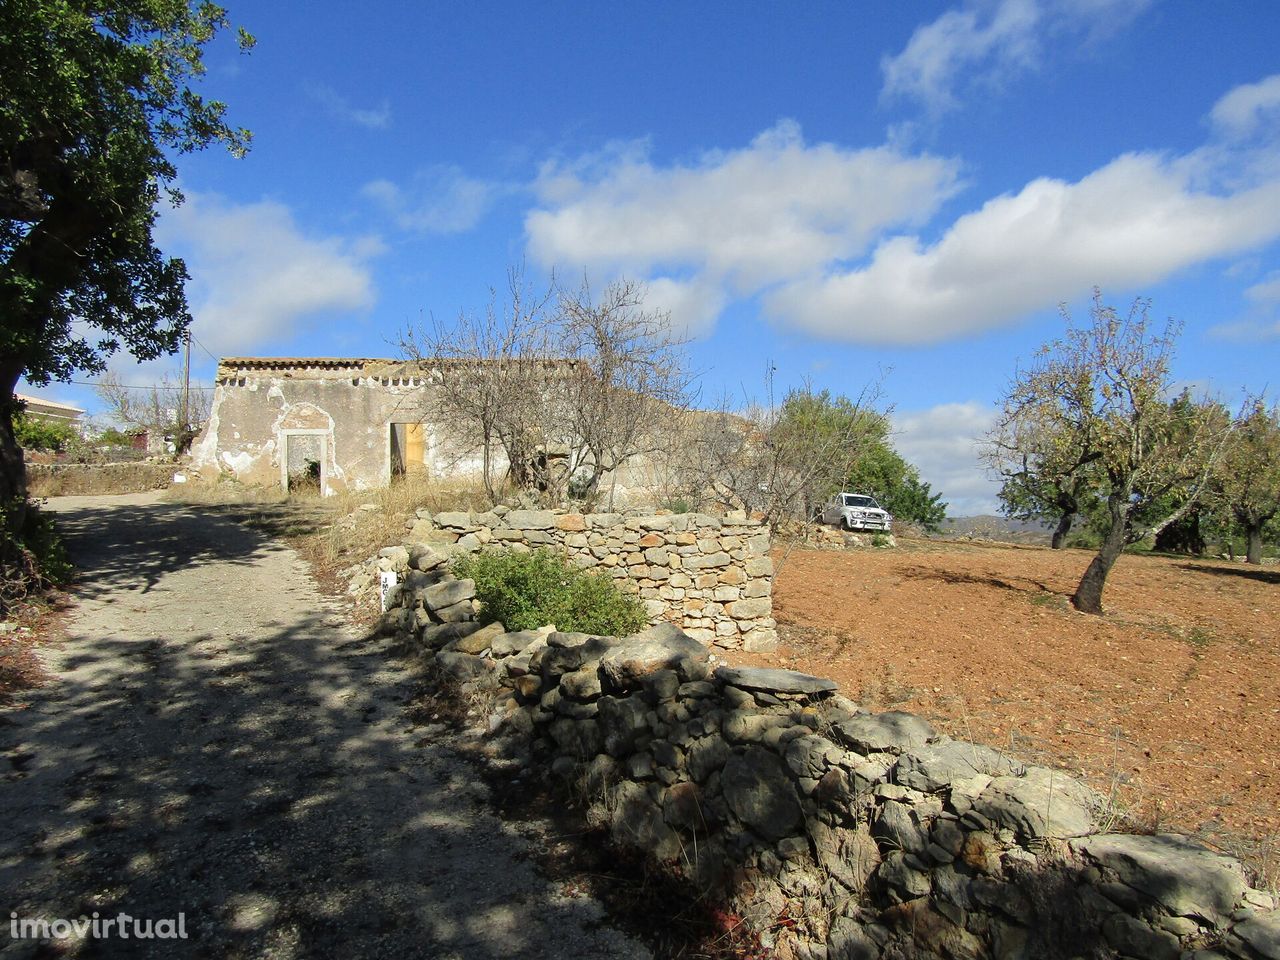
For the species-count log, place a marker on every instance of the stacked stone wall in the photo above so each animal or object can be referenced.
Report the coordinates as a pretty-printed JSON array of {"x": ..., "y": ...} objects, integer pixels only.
[
  {"x": 837, "y": 834},
  {"x": 711, "y": 577}
]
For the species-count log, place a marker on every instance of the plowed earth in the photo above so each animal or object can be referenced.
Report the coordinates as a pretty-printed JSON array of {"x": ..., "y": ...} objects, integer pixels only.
[{"x": 1169, "y": 704}]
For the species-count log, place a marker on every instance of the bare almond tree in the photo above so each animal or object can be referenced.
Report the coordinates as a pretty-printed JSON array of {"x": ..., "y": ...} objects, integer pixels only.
[
  {"x": 565, "y": 388},
  {"x": 158, "y": 408},
  {"x": 627, "y": 386},
  {"x": 490, "y": 370}
]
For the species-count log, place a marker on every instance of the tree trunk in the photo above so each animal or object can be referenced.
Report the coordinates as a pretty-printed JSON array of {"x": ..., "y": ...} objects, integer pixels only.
[
  {"x": 1088, "y": 595},
  {"x": 1254, "y": 532},
  {"x": 13, "y": 471},
  {"x": 1064, "y": 527}
]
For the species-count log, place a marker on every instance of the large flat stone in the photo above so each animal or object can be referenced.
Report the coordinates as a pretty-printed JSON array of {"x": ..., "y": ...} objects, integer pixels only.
[
  {"x": 530, "y": 519},
  {"x": 938, "y": 765},
  {"x": 1041, "y": 803},
  {"x": 774, "y": 681},
  {"x": 661, "y": 647},
  {"x": 515, "y": 642},
  {"x": 448, "y": 592},
  {"x": 891, "y": 732},
  {"x": 454, "y": 520},
  {"x": 1189, "y": 880}
]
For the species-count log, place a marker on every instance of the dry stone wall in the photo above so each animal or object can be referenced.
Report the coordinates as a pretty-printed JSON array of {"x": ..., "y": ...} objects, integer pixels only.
[
  {"x": 836, "y": 834},
  {"x": 712, "y": 577}
]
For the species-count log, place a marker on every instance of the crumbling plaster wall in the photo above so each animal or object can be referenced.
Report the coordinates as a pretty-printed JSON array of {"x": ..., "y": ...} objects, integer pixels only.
[{"x": 253, "y": 413}]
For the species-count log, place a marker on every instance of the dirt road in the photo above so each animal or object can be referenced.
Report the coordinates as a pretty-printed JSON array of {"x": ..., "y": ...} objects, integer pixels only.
[{"x": 218, "y": 744}]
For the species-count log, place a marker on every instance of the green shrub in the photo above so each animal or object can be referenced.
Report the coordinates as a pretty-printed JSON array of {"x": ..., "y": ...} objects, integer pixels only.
[
  {"x": 32, "y": 555},
  {"x": 34, "y": 433},
  {"x": 529, "y": 590}
]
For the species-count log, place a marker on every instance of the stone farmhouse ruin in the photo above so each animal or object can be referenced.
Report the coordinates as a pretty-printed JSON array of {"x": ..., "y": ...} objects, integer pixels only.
[{"x": 339, "y": 423}]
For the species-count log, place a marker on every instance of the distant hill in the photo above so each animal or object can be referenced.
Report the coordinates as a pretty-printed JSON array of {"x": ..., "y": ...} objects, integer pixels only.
[{"x": 990, "y": 527}]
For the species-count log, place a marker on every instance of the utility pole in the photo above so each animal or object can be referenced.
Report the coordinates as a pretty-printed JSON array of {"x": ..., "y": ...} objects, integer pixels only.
[{"x": 184, "y": 428}]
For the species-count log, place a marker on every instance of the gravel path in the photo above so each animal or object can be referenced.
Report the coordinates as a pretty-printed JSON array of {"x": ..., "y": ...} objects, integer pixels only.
[{"x": 218, "y": 743}]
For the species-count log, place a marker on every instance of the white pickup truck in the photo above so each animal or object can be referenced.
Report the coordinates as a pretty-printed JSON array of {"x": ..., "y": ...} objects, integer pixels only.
[{"x": 856, "y": 511}]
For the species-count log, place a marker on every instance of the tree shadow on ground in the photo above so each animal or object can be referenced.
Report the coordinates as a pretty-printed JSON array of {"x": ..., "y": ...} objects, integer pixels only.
[
  {"x": 1245, "y": 573},
  {"x": 1023, "y": 585},
  {"x": 147, "y": 541},
  {"x": 271, "y": 788}
]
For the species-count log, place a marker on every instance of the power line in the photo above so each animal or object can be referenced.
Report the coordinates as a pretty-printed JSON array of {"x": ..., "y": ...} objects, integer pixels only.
[
  {"x": 204, "y": 348},
  {"x": 126, "y": 386}
]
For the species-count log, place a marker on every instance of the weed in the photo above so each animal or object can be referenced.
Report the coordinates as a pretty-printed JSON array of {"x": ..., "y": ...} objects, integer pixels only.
[
  {"x": 1047, "y": 600},
  {"x": 1199, "y": 637}
]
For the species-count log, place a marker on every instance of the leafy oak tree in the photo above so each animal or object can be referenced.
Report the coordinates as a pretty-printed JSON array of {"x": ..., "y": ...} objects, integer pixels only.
[
  {"x": 96, "y": 101},
  {"x": 1099, "y": 399}
]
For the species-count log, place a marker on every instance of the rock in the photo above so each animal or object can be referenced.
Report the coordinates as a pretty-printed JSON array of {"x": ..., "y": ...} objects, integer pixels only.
[
  {"x": 760, "y": 640},
  {"x": 937, "y": 766},
  {"x": 437, "y": 635},
  {"x": 638, "y": 822},
  {"x": 1041, "y": 803},
  {"x": 453, "y": 519},
  {"x": 898, "y": 827},
  {"x": 622, "y": 720},
  {"x": 706, "y": 756},
  {"x": 848, "y": 855},
  {"x": 774, "y": 681},
  {"x": 463, "y": 666},
  {"x": 1187, "y": 879},
  {"x": 423, "y": 558},
  {"x": 581, "y": 684},
  {"x": 895, "y": 872},
  {"x": 577, "y": 738},
  {"x": 446, "y": 593},
  {"x": 848, "y": 940},
  {"x": 760, "y": 792},
  {"x": 750, "y": 725},
  {"x": 456, "y": 613},
  {"x": 398, "y": 556},
  {"x": 1261, "y": 931},
  {"x": 810, "y": 756},
  {"x": 751, "y": 609},
  {"x": 478, "y": 642},
  {"x": 469, "y": 543},
  {"x": 682, "y": 807},
  {"x": 661, "y": 647},
  {"x": 516, "y": 642},
  {"x": 891, "y": 732},
  {"x": 529, "y": 519},
  {"x": 1131, "y": 937},
  {"x": 572, "y": 522}
]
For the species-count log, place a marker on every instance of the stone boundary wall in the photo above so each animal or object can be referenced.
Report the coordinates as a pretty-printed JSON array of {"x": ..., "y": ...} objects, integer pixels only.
[
  {"x": 836, "y": 834},
  {"x": 88, "y": 479},
  {"x": 713, "y": 578}
]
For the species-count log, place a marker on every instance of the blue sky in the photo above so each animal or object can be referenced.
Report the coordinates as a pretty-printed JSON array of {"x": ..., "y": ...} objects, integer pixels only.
[{"x": 829, "y": 188}]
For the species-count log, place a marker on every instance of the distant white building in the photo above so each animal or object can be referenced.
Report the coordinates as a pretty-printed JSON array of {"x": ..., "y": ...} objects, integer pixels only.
[{"x": 52, "y": 411}]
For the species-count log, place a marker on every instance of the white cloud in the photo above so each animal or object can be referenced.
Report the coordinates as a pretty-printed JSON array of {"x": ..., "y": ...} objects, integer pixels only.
[
  {"x": 1266, "y": 291},
  {"x": 1135, "y": 221},
  {"x": 942, "y": 442},
  {"x": 375, "y": 118},
  {"x": 1248, "y": 108},
  {"x": 987, "y": 44},
  {"x": 440, "y": 200},
  {"x": 736, "y": 220},
  {"x": 694, "y": 305},
  {"x": 256, "y": 276}
]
